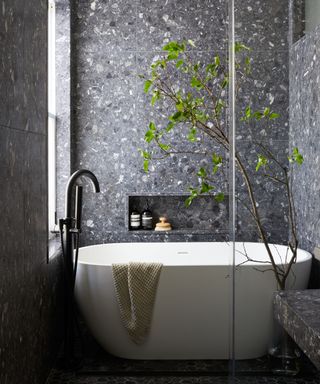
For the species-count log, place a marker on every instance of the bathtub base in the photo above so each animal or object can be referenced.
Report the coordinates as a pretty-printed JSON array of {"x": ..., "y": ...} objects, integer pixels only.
[{"x": 192, "y": 316}]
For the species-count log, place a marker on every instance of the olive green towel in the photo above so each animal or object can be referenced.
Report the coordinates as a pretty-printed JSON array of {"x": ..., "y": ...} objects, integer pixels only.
[{"x": 136, "y": 287}]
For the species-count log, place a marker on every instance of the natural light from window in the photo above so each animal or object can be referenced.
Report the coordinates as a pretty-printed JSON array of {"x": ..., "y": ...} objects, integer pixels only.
[{"x": 51, "y": 119}]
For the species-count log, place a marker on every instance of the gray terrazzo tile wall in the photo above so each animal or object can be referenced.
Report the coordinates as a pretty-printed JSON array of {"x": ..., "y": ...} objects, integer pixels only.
[
  {"x": 305, "y": 134},
  {"x": 28, "y": 285},
  {"x": 264, "y": 27},
  {"x": 112, "y": 42}
]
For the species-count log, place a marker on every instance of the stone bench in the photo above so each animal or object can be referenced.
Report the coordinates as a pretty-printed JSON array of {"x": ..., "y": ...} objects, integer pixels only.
[{"x": 299, "y": 314}]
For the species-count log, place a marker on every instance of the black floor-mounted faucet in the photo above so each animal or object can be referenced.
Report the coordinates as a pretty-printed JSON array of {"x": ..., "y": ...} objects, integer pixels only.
[{"x": 70, "y": 228}]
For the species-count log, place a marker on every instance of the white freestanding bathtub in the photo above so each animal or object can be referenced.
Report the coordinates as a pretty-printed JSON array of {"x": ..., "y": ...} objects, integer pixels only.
[{"x": 192, "y": 313}]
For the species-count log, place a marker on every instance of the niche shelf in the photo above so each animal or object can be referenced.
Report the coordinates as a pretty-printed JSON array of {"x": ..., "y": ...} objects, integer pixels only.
[{"x": 204, "y": 215}]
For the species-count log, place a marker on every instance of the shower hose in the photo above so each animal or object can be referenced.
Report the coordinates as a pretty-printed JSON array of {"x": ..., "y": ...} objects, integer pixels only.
[{"x": 70, "y": 279}]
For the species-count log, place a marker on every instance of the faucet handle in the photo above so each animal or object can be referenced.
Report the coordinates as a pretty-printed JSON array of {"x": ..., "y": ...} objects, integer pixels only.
[{"x": 78, "y": 208}]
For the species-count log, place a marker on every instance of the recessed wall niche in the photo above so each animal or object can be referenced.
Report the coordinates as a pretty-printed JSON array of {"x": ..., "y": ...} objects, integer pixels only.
[{"x": 203, "y": 215}]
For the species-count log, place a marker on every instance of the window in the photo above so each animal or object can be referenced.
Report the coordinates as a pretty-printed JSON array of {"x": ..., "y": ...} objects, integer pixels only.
[
  {"x": 51, "y": 119},
  {"x": 312, "y": 14}
]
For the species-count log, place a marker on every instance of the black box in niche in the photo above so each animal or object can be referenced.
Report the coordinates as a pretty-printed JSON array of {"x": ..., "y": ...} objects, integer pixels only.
[{"x": 204, "y": 214}]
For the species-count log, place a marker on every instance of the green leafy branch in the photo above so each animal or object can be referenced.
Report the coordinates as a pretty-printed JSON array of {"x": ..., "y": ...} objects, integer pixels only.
[{"x": 200, "y": 109}]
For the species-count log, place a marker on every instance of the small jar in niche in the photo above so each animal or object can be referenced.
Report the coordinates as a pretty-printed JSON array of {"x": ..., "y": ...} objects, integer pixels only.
[
  {"x": 146, "y": 219},
  {"x": 135, "y": 219}
]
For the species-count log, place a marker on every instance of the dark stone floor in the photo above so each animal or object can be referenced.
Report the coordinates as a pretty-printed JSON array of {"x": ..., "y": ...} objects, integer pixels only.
[{"x": 97, "y": 366}]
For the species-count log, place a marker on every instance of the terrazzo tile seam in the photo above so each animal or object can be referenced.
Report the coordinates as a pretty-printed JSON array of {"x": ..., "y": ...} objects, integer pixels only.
[
  {"x": 274, "y": 141},
  {"x": 157, "y": 51},
  {"x": 21, "y": 130}
]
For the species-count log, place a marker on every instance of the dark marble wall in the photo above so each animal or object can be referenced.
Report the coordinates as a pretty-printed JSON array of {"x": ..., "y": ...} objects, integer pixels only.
[
  {"x": 305, "y": 134},
  {"x": 28, "y": 285},
  {"x": 112, "y": 42}
]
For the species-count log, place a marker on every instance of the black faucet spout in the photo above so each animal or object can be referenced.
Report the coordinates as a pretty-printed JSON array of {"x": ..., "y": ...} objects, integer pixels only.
[{"x": 71, "y": 182}]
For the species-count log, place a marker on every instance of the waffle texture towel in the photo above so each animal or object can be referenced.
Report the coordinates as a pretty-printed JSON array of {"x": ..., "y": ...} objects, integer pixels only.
[{"x": 136, "y": 286}]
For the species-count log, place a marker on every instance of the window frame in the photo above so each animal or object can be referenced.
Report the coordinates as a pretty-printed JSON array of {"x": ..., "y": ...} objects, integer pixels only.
[{"x": 51, "y": 123}]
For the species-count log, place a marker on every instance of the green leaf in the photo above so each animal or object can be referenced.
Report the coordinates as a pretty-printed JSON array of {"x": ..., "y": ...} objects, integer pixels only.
[
  {"x": 152, "y": 126},
  {"x": 215, "y": 169},
  {"x": 262, "y": 162},
  {"x": 193, "y": 194},
  {"x": 212, "y": 69},
  {"x": 147, "y": 85},
  {"x": 219, "y": 106},
  {"x": 202, "y": 172},
  {"x": 192, "y": 135},
  {"x": 180, "y": 106},
  {"x": 205, "y": 187},
  {"x": 196, "y": 67},
  {"x": 216, "y": 159},
  {"x": 155, "y": 96},
  {"x": 266, "y": 112},
  {"x": 257, "y": 115},
  {"x": 176, "y": 116},
  {"x": 144, "y": 154},
  {"x": 238, "y": 47},
  {"x": 174, "y": 46},
  {"x": 146, "y": 165},
  {"x": 296, "y": 157},
  {"x": 149, "y": 136},
  {"x": 164, "y": 147},
  {"x": 179, "y": 63},
  {"x": 189, "y": 200},
  {"x": 201, "y": 116},
  {"x": 219, "y": 197},
  {"x": 217, "y": 61},
  {"x": 274, "y": 115},
  {"x": 173, "y": 55},
  {"x": 196, "y": 83},
  {"x": 225, "y": 83},
  {"x": 247, "y": 65},
  {"x": 170, "y": 126}
]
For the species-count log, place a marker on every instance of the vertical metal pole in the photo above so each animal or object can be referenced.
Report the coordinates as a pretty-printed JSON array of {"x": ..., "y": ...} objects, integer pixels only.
[{"x": 232, "y": 205}]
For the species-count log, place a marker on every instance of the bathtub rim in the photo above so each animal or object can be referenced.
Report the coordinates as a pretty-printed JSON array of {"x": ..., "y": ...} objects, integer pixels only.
[{"x": 303, "y": 255}]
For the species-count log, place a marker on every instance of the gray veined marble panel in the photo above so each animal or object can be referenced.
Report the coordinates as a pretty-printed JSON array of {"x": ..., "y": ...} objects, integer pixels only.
[
  {"x": 25, "y": 81},
  {"x": 12, "y": 145},
  {"x": 27, "y": 298},
  {"x": 35, "y": 201},
  {"x": 28, "y": 286}
]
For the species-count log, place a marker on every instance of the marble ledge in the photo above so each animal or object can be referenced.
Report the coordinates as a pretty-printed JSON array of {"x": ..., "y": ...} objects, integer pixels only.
[
  {"x": 179, "y": 231},
  {"x": 54, "y": 247},
  {"x": 299, "y": 314}
]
